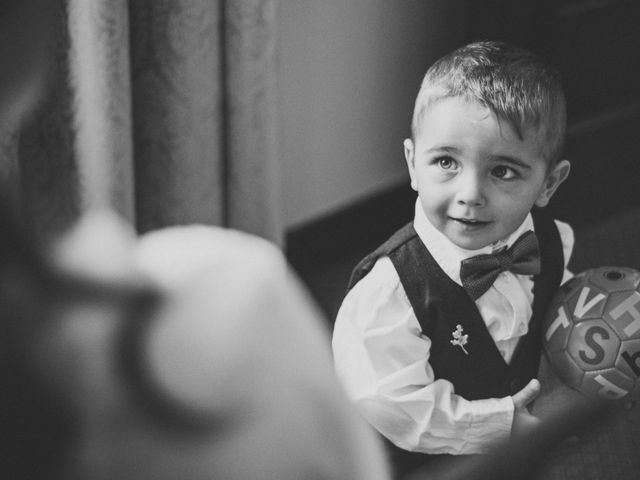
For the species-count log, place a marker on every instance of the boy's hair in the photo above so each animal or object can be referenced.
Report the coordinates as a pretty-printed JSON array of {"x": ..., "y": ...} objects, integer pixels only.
[{"x": 516, "y": 85}]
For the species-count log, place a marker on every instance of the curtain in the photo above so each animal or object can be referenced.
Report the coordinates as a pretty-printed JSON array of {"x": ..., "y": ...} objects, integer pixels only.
[{"x": 164, "y": 110}]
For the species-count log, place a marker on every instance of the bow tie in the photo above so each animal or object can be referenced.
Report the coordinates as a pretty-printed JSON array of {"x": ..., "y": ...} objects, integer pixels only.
[{"x": 478, "y": 273}]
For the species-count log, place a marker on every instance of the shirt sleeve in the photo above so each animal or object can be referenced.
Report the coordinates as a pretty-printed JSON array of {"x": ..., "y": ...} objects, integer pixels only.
[
  {"x": 382, "y": 359},
  {"x": 568, "y": 240}
]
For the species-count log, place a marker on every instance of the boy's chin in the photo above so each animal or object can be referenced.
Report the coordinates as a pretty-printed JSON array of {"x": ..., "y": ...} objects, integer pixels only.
[
  {"x": 471, "y": 240},
  {"x": 470, "y": 245}
]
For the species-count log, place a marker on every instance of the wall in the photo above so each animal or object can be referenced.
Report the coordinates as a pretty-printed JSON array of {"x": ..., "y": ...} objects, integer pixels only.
[{"x": 349, "y": 72}]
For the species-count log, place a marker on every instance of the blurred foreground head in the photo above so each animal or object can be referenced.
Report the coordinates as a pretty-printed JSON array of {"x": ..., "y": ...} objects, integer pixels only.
[{"x": 191, "y": 353}]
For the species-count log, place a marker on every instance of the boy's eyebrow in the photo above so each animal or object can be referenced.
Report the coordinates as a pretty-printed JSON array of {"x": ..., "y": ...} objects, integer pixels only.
[
  {"x": 443, "y": 148},
  {"x": 513, "y": 160}
]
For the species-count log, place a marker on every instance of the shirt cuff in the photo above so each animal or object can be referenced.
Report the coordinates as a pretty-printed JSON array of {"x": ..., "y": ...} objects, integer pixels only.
[{"x": 492, "y": 419}]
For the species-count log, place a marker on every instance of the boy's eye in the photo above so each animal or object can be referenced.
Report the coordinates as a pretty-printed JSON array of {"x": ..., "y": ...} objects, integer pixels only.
[
  {"x": 446, "y": 163},
  {"x": 504, "y": 173}
]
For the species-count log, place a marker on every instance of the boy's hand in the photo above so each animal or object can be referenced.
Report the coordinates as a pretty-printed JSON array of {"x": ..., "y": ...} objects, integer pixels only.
[{"x": 523, "y": 421}]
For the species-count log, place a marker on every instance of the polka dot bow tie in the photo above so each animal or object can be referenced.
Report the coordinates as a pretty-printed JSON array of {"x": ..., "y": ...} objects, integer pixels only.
[{"x": 478, "y": 273}]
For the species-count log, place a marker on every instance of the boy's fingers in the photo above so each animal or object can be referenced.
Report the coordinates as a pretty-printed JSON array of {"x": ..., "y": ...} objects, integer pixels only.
[{"x": 527, "y": 394}]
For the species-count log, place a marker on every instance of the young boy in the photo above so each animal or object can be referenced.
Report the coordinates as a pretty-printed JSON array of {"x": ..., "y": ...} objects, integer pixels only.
[{"x": 439, "y": 354}]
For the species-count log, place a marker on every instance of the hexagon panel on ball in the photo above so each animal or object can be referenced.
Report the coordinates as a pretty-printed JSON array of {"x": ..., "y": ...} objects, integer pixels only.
[
  {"x": 623, "y": 313},
  {"x": 593, "y": 345}
]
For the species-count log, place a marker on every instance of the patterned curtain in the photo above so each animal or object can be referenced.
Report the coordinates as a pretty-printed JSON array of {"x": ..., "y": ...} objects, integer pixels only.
[{"x": 164, "y": 110}]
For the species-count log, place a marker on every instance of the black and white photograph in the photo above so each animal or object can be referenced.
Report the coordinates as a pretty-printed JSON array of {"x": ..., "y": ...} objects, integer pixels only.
[{"x": 319, "y": 239}]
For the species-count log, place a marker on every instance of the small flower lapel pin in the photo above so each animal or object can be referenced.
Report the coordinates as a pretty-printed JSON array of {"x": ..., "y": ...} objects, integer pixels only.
[{"x": 459, "y": 339}]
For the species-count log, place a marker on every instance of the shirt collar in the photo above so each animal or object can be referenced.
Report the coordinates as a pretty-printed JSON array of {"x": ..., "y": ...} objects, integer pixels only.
[{"x": 446, "y": 253}]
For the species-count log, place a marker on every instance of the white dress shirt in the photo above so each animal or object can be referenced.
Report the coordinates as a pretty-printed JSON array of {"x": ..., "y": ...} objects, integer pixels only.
[{"x": 382, "y": 357}]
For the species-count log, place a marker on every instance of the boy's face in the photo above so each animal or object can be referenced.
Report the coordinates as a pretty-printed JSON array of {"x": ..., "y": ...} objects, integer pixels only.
[{"x": 477, "y": 180}]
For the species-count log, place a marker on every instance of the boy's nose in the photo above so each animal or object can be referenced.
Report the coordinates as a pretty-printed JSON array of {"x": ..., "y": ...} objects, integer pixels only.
[{"x": 471, "y": 191}]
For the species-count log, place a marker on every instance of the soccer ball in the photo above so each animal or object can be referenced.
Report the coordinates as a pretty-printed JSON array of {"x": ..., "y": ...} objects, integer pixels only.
[{"x": 591, "y": 334}]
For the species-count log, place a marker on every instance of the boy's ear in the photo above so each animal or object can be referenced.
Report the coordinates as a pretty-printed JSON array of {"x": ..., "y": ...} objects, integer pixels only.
[
  {"x": 409, "y": 152},
  {"x": 555, "y": 177}
]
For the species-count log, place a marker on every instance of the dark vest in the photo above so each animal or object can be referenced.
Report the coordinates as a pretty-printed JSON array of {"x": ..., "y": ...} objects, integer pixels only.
[{"x": 440, "y": 305}]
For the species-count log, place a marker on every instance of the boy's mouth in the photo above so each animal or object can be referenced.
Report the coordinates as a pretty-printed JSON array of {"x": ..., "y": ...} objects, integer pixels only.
[{"x": 469, "y": 222}]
